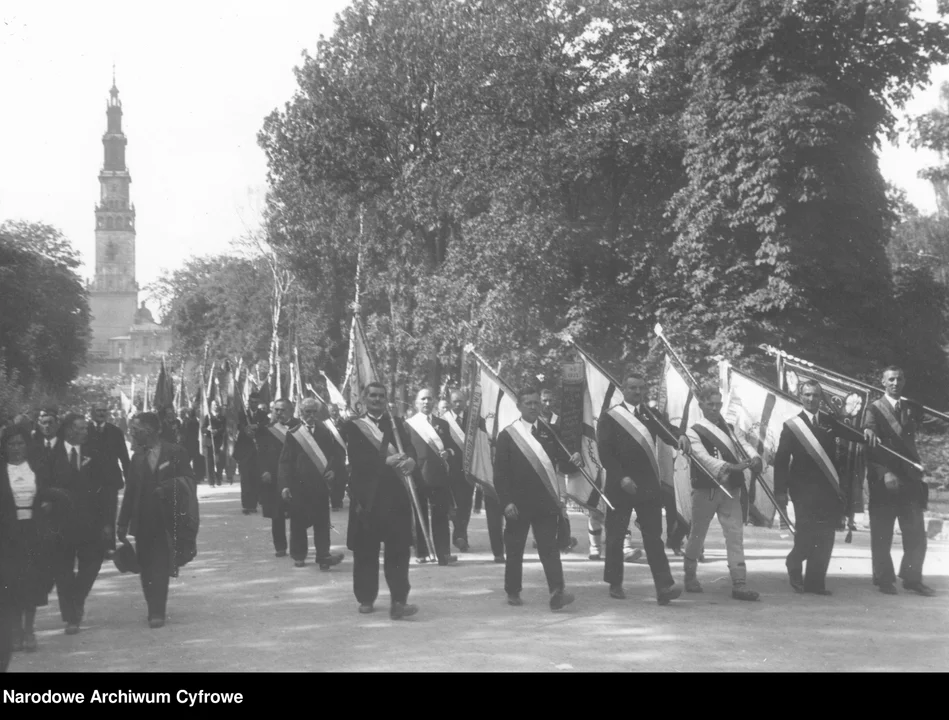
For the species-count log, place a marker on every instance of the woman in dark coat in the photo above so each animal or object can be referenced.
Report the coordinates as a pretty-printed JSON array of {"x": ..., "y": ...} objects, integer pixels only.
[{"x": 26, "y": 485}]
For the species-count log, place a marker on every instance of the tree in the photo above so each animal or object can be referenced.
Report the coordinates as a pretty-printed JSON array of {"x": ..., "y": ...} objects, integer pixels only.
[{"x": 44, "y": 326}]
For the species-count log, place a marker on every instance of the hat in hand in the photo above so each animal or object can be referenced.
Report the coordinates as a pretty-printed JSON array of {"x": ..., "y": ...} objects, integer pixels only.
[{"x": 125, "y": 559}]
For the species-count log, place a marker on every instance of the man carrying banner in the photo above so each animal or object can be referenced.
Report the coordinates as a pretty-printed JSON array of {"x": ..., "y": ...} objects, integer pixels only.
[
  {"x": 805, "y": 466},
  {"x": 713, "y": 449},
  {"x": 626, "y": 438},
  {"x": 247, "y": 454},
  {"x": 307, "y": 465},
  {"x": 334, "y": 423},
  {"x": 897, "y": 490},
  {"x": 462, "y": 490},
  {"x": 214, "y": 428},
  {"x": 380, "y": 508},
  {"x": 528, "y": 488},
  {"x": 434, "y": 449},
  {"x": 270, "y": 442}
]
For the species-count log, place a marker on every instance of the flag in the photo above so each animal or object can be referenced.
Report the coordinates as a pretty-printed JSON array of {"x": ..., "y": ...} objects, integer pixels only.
[
  {"x": 682, "y": 409},
  {"x": 491, "y": 410},
  {"x": 336, "y": 397},
  {"x": 164, "y": 390},
  {"x": 145, "y": 396},
  {"x": 758, "y": 414},
  {"x": 600, "y": 393},
  {"x": 181, "y": 397},
  {"x": 361, "y": 370},
  {"x": 229, "y": 400},
  {"x": 263, "y": 394},
  {"x": 127, "y": 407}
]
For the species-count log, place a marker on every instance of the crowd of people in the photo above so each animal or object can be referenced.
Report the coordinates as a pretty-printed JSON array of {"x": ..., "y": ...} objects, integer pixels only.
[{"x": 60, "y": 479}]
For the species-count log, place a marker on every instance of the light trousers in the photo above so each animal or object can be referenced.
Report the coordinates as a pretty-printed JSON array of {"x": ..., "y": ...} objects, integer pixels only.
[{"x": 706, "y": 504}]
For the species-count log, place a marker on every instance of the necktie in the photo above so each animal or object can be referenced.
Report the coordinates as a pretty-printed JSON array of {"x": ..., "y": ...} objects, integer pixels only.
[
  {"x": 74, "y": 458},
  {"x": 49, "y": 444},
  {"x": 899, "y": 409},
  {"x": 534, "y": 432}
]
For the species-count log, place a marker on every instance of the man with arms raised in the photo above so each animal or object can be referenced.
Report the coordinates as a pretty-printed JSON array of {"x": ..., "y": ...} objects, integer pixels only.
[
  {"x": 805, "y": 467},
  {"x": 270, "y": 442},
  {"x": 380, "y": 507},
  {"x": 434, "y": 450},
  {"x": 528, "y": 488},
  {"x": 897, "y": 490},
  {"x": 713, "y": 449},
  {"x": 306, "y": 469},
  {"x": 626, "y": 438}
]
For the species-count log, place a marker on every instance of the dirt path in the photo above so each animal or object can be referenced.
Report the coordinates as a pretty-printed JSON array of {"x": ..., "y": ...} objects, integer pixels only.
[{"x": 237, "y": 607}]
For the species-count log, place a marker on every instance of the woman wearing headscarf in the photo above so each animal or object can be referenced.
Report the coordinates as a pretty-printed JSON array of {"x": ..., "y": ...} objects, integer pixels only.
[{"x": 25, "y": 486}]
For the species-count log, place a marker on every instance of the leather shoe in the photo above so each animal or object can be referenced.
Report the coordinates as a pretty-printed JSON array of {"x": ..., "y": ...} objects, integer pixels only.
[
  {"x": 299, "y": 563},
  {"x": 421, "y": 560},
  {"x": 156, "y": 622},
  {"x": 822, "y": 591},
  {"x": 633, "y": 556},
  {"x": 366, "y": 608},
  {"x": 796, "y": 578},
  {"x": 594, "y": 556},
  {"x": 559, "y": 599},
  {"x": 462, "y": 544},
  {"x": 499, "y": 559},
  {"x": 448, "y": 560},
  {"x": 72, "y": 628},
  {"x": 399, "y": 611},
  {"x": 888, "y": 589},
  {"x": 330, "y": 560},
  {"x": 667, "y": 595},
  {"x": 617, "y": 592},
  {"x": 280, "y": 553},
  {"x": 920, "y": 589},
  {"x": 515, "y": 600}
]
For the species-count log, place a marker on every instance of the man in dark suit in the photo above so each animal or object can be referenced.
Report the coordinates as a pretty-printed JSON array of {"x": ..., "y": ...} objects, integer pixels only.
[
  {"x": 380, "y": 509},
  {"x": 246, "y": 456},
  {"x": 310, "y": 460},
  {"x": 335, "y": 425},
  {"x": 270, "y": 442},
  {"x": 897, "y": 490},
  {"x": 214, "y": 428},
  {"x": 108, "y": 442},
  {"x": 154, "y": 469},
  {"x": 434, "y": 450},
  {"x": 805, "y": 467},
  {"x": 188, "y": 439},
  {"x": 45, "y": 437},
  {"x": 565, "y": 539},
  {"x": 462, "y": 490},
  {"x": 525, "y": 477},
  {"x": 77, "y": 471},
  {"x": 626, "y": 439}
]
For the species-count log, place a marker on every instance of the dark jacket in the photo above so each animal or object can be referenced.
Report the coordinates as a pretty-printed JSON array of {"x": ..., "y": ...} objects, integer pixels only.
[
  {"x": 433, "y": 470},
  {"x": 798, "y": 475},
  {"x": 269, "y": 449},
  {"x": 296, "y": 472},
  {"x": 173, "y": 462},
  {"x": 515, "y": 479},
  {"x": 89, "y": 505},
  {"x": 912, "y": 486},
  {"x": 188, "y": 436},
  {"x": 109, "y": 444},
  {"x": 215, "y": 429},
  {"x": 624, "y": 457},
  {"x": 377, "y": 492}
]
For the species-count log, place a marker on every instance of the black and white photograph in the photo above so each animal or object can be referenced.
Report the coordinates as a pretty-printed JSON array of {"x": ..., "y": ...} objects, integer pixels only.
[{"x": 470, "y": 336}]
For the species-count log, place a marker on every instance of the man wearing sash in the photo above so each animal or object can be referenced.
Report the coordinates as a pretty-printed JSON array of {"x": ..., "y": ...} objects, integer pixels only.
[
  {"x": 565, "y": 540},
  {"x": 462, "y": 490},
  {"x": 525, "y": 478},
  {"x": 247, "y": 455},
  {"x": 805, "y": 467},
  {"x": 307, "y": 465},
  {"x": 434, "y": 449},
  {"x": 380, "y": 508},
  {"x": 713, "y": 449},
  {"x": 897, "y": 490},
  {"x": 626, "y": 439},
  {"x": 270, "y": 441}
]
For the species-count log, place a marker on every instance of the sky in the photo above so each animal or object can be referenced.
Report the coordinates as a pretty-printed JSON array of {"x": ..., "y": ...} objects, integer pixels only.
[{"x": 196, "y": 80}]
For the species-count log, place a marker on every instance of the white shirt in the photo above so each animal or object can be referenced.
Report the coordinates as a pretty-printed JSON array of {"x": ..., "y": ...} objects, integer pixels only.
[
  {"x": 530, "y": 426},
  {"x": 50, "y": 440},
  {"x": 812, "y": 417},
  {"x": 23, "y": 485},
  {"x": 69, "y": 449},
  {"x": 892, "y": 401}
]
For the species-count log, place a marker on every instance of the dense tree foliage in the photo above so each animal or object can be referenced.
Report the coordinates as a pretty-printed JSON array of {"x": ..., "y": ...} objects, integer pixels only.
[
  {"x": 44, "y": 309},
  {"x": 515, "y": 172}
]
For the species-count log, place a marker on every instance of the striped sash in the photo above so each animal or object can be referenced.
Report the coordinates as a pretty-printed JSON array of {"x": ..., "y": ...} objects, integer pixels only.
[
  {"x": 279, "y": 433},
  {"x": 536, "y": 456},
  {"x": 331, "y": 426},
  {"x": 638, "y": 432},
  {"x": 713, "y": 434},
  {"x": 311, "y": 448},
  {"x": 813, "y": 447},
  {"x": 374, "y": 435},
  {"x": 426, "y": 431},
  {"x": 457, "y": 434}
]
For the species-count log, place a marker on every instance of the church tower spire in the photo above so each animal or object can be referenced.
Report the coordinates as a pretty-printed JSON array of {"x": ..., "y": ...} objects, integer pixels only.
[{"x": 114, "y": 291}]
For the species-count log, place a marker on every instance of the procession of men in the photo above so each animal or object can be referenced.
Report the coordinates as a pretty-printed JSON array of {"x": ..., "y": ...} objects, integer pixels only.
[{"x": 409, "y": 486}]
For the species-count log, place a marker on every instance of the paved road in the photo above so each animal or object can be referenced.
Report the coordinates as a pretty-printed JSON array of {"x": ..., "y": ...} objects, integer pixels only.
[{"x": 237, "y": 607}]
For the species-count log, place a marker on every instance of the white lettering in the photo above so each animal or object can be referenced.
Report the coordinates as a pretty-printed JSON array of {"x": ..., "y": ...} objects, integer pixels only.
[
  {"x": 205, "y": 698},
  {"x": 47, "y": 698}
]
